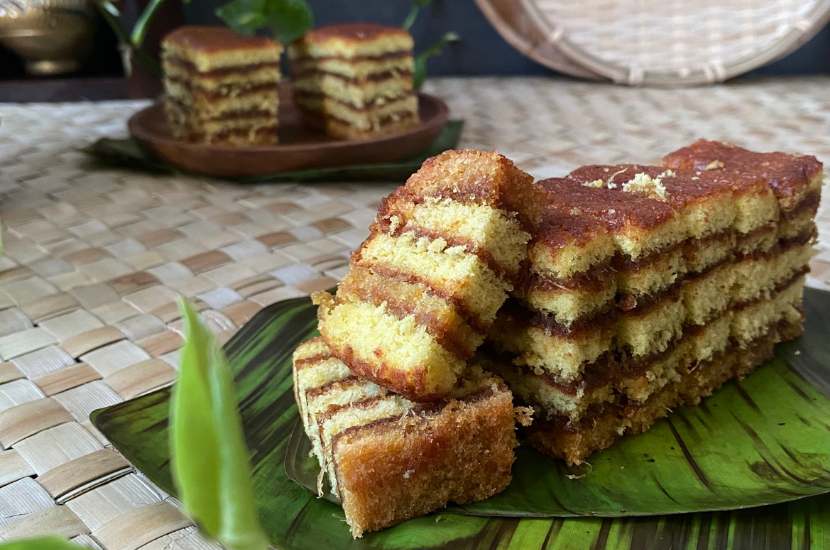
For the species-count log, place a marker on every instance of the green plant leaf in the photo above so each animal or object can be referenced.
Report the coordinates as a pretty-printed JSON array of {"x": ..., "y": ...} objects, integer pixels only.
[
  {"x": 414, "y": 10},
  {"x": 420, "y": 73},
  {"x": 40, "y": 543},
  {"x": 143, "y": 22},
  {"x": 243, "y": 16},
  {"x": 287, "y": 19},
  {"x": 210, "y": 460},
  {"x": 795, "y": 386}
]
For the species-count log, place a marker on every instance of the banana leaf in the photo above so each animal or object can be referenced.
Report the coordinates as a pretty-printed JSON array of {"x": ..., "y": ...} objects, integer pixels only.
[{"x": 763, "y": 440}]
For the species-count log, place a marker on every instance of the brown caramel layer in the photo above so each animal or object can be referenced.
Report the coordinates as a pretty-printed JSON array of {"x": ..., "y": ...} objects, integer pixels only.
[
  {"x": 593, "y": 280},
  {"x": 809, "y": 204}
]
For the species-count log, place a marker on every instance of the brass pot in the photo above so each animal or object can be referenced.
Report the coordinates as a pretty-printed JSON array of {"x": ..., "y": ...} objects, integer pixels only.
[{"x": 52, "y": 36}]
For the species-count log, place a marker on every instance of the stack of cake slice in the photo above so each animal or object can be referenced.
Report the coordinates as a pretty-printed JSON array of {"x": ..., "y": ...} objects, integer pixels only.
[
  {"x": 423, "y": 290},
  {"x": 651, "y": 286},
  {"x": 221, "y": 87},
  {"x": 397, "y": 417},
  {"x": 389, "y": 459},
  {"x": 354, "y": 81}
]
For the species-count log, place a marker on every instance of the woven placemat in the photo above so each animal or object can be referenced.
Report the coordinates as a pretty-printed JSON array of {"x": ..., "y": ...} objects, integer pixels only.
[
  {"x": 675, "y": 42},
  {"x": 94, "y": 260}
]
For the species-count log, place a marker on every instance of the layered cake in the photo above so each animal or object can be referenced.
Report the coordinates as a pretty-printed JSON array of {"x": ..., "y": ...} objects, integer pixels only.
[
  {"x": 650, "y": 286},
  {"x": 423, "y": 290},
  {"x": 221, "y": 88},
  {"x": 354, "y": 81},
  {"x": 389, "y": 459}
]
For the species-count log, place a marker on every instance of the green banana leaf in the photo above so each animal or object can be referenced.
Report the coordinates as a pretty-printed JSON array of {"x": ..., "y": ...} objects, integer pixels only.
[
  {"x": 40, "y": 543},
  {"x": 209, "y": 457},
  {"x": 126, "y": 153},
  {"x": 763, "y": 440}
]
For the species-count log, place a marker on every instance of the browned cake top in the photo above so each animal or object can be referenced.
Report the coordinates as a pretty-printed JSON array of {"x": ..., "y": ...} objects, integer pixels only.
[
  {"x": 681, "y": 186},
  {"x": 616, "y": 210},
  {"x": 353, "y": 32},
  {"x": 215, "y": 39},
  {"x": 478, "y": 177},
  {"x": 558, "y": 229},
  {"x": 786, "y": 174}
]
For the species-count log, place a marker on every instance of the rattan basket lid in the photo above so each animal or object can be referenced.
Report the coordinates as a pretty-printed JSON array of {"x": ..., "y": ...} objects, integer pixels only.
[
  {"x": 517, "y": 27},
  {"x": 675, "y": 42}
]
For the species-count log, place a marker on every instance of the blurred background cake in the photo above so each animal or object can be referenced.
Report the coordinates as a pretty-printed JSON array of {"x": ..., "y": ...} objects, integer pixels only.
[
  {"x": 221, "y": 87},
  {"x": 354, "y": 81}
]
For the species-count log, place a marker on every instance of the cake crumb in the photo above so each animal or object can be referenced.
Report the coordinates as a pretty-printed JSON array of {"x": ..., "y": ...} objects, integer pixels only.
[
  {"x": 598, "y": 184},
  {"x": 653, "y": 188},
  {"x": 714, "y": 165},
  {"x": 394, "y": 223},
  {"x": 523, "y": 415}
]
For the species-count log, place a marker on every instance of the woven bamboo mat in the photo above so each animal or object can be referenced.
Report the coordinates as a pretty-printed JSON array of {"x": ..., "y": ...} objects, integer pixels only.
[{"x": 94, "y": 260}]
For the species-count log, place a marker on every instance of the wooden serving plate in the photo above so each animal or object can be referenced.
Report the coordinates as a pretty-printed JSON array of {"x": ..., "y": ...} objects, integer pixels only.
[{"x": 299, "y": 147}]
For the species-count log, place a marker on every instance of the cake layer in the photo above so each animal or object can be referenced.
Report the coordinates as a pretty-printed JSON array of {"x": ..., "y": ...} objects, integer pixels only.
[
  {"x": 205, "y": 106},
  {"x": 537, "y": 338},
  {"x": 650, "y": 327},
  {"x": 751, "y": 319},
  {"x": 242, "y": 129},
  {"x": 355, "y": 92},
  {"x": 568, "y": 301},
  {"x": 368, "y": 118},
  {"x": 418, "y": 248},
  {"x": 340, "y": 129},
  {"x": 573, "y": 441},
  {"x": 497, "y": 238},
  {"x": 356, "y": 71},
  {"x": 538, "y": 341},
  {"x": 403, "y": 298},
  {"x": 208, "y": 49},
  {"x": 222, "y": 83},
  {"x": 615, "y": 377},
  {"x": 372, "y": 444}
]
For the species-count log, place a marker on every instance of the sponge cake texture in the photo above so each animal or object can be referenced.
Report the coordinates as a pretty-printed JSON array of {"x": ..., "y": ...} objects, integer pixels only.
[
  {"x": 371, "y": 443},
  {"x": 423, "y": 290}
]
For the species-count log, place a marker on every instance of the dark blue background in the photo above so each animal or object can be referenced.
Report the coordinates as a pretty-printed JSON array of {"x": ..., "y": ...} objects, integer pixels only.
[{"x": 482, "y": 50}]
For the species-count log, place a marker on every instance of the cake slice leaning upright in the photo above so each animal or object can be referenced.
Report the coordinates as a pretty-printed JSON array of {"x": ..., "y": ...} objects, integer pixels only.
[{"x": 423, "y": 290}]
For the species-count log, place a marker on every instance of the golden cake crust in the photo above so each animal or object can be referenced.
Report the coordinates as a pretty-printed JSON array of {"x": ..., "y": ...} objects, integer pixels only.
[
  {"x": 353, "y": 32},
  {"x": 207, "y": 39},
  {"x": 396, "y": 470},
  {"x": 785, "y": 172}
]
